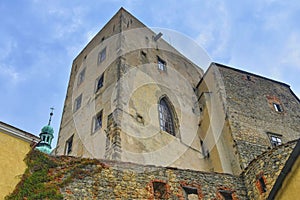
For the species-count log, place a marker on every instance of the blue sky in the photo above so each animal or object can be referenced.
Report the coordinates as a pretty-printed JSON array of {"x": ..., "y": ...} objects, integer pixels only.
[{"x": 39, "y": 40}]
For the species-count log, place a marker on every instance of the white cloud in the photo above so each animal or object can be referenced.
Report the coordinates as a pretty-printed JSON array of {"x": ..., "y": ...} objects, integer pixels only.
[
  {"x": 291, "y": 51},
  {"x": 10, "y": 74}
]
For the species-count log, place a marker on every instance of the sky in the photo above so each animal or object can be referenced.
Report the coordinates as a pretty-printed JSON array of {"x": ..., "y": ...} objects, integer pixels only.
[{"x": 39, "y": 40}]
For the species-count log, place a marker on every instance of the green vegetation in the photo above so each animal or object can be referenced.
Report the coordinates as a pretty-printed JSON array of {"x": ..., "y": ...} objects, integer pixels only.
[
  {"x": 33, "y": 184},
  {"x": 46, "y": 175}
]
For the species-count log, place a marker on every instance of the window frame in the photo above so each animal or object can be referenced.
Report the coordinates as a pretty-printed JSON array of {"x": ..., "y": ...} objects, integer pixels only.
[
  {"x": 275, "y": 139},
  {"x": 165, "y": 111},
  {"x": 95, "y": 121},
  {"x": 69, "y": 145},
  {"x": 161, "y": 64},
  {"x": 78, "y": 102},
  {"x": 101, "y": 77},
  {"x": 187, "y": 191},
  {"x": 277, "y": 107},
  {"x": 101, "y": 55},
  {"x": 226, "y": 194},
  {"x": 81, "y": 77}
]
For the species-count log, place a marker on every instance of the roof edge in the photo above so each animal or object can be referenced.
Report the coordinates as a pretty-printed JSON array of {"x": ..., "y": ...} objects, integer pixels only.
[{"x": 16, "y": 132}]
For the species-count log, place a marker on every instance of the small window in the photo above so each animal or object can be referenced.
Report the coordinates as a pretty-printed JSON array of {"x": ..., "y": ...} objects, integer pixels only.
[
  {"x": 69, "y": 144},
  {"x": 275, "y": 140},
  {"x": 248, "y": 78},
  {"x": 262, "y": 184},
  {"x": 161, "y": 64},
  {"x": 99, "y": 82},
  {"x": 102, "y": 56},
  {"x": 160, "y": 190},
  {"x": 226, "y": 194},
  {"x": 98, "y": 121},
  {"x": 81, "y": 77},
  {"x": 277, "y": 107},
  {"x": 78, "y": 102},
  {"x": 144, "y": 54},
  {"x": 190, "y": 193}
]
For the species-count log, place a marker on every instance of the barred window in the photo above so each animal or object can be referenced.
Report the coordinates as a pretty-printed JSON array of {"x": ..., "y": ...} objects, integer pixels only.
[{"x": 166, "y": 117}]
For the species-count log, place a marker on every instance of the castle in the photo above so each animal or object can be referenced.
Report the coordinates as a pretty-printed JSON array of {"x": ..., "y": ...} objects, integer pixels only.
[{"x": 133, "y": 98}]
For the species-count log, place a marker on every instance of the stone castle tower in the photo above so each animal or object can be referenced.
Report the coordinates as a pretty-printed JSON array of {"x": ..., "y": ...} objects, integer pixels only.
[{"x": 133, "y": 97}]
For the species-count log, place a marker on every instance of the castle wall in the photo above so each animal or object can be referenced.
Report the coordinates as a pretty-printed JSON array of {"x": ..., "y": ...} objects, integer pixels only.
[
  {"x": 251, "y": 114},
  {"x": 114, "y": 180},
  {"x": 267, "y": 166}
]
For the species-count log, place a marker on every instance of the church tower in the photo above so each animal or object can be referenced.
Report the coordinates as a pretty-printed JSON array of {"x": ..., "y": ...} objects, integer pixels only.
[{"x": 46, "y": 137}]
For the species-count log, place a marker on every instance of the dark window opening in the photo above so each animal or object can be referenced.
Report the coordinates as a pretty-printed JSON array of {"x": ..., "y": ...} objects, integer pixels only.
[
  {"x": 143, "y": 53},
  {"x": 277, "y": 107},
  {"x": 102, "y": 56},
  {"x": 100, "y": 82},
  {"x": 78, "y": 102},
  {"x": 262, "y": 184},
  {"x": 160, "y": 190},
  {"x": 165, "y": 117},
  {"x": 161, "y": 64},
  {"x": 248, "y": 78},
  {"x": 226, "y": 194},
  {"x": 81, "y": 77},
  {"x": 98, "y": 121},
  {"x": 69, "y": 145},
  {"x": 190, "y": 193}
]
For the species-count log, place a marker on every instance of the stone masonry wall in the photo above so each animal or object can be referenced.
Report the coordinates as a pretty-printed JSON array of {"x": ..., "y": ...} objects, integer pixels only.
[
  {"x": 116, "y": 180},
  {"x": 267, "y": 167},
  {"x": 251, "y": 113}
]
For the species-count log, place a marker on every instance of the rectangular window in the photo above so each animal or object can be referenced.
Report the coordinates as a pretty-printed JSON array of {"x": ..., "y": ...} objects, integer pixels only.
[
  {"x": 190, "y": 193},
  {"x": 161, "y": 64},
  {"x": 226, "y": 194},
  {"x": 262, "y": 184},
  {"x": 69, "y": 144},
  {"x": 77, "y": 104},
  {"x": 275, "y": 139},
  {"x": 99, "y": 82},
  {"x": 160, "y": 190},
  {"x": 98, "y": 121},
  {"x": 81, "y": 77},
  {"x": 277, "y": 107},
  {"x": 102, "y": 56}
]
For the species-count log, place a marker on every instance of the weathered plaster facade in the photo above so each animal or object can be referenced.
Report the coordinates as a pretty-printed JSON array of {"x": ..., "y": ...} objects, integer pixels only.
[
  {"x": 222, "y": 119},
  {"x": 129, "y": 97}
]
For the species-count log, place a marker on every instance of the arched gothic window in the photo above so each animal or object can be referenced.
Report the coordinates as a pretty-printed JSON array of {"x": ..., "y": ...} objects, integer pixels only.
[{"x": 165, "y": 117}]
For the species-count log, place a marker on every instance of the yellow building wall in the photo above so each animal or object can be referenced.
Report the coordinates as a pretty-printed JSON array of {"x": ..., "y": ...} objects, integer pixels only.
[
  {"x": 12, "y": 165},
  {"x": 291, "y": 184}
]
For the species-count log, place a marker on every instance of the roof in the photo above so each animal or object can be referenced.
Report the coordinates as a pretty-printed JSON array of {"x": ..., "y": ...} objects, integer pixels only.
[
  {"x": 18, "y": 133},
  {"x": 240, "y": 71}
]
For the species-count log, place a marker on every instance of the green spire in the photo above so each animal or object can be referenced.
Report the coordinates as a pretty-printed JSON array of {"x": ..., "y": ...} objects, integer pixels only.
[{"x": 46, "y": 137}]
